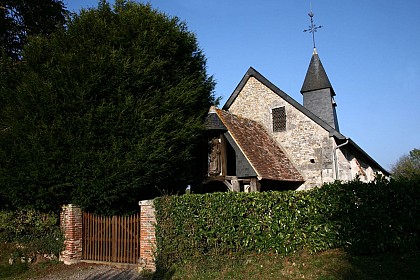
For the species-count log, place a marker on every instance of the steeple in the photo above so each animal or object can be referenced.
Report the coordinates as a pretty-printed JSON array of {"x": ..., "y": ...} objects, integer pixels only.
[
  {"x": 318, "y": 94},
  {"x": 316, "y": 77}
]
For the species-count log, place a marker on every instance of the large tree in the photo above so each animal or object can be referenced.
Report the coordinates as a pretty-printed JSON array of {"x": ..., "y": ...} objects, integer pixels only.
[
  {"x": 407, "y": 166},
  {"x": 105, "y": 112},
  {"x": 20, "y": 19}
]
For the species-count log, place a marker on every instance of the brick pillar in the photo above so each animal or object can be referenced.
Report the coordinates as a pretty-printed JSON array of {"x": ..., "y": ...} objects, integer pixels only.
[
  {"x": 71, "y": 225},
  {"x": 147, "y": 235}
]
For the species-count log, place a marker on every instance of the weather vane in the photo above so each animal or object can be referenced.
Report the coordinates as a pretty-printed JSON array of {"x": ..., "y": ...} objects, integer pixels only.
[{"x": 312, "y": 28}]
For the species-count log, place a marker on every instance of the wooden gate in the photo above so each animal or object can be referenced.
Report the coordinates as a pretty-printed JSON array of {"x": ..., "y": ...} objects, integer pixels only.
[{"x": 111, "y": 239}]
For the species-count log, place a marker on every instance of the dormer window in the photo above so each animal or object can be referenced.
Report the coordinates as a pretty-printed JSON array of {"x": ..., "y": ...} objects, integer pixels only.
[{"x": 279, "y": 119}]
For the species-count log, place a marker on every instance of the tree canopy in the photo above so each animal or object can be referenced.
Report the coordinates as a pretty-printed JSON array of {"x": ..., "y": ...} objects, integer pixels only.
[
  {"x": 407, "y": 166},
  {"x": 20, "y": 19},
  {"x": 103, "y": 113}
]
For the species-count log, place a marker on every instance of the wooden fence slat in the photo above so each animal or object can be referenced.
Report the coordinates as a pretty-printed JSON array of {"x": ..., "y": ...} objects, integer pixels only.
[
  {"x": 101, "y": 239},
  {"x": 92, "y": 237},
  {"x": 88, "y": 221},
  {"x": 125, "y": 239},
  {"x": 131, "y": 239},
  {"x": 87, "y": 236},
  {"x": 117, "y": 237},
  {"x": 108, "y": 238},
  {"x": 111, "y": 239},
  {"x": 96, "y": 245},
  {"x": 120, "y": 237}
]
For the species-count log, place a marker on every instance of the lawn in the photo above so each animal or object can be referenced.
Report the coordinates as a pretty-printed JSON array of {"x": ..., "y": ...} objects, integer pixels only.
[
  {"x": 329, "y": 265},
  {"x": 21, "y": 270}
]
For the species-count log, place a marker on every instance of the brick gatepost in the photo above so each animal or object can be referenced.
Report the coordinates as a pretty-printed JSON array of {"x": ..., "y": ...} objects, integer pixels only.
[
  {"x": 71, "y": 225},
  {"x": 147, "y": 235}
]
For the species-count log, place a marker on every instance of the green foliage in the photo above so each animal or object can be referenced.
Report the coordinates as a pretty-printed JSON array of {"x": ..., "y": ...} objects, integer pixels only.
[
  {"x": 104, "y": 113},
  {"x": 408, "y": 166},
  {"x": 362, "y": 217},
  {"x": 20, "y": 19},
  {"x": 32, "y": 232}
]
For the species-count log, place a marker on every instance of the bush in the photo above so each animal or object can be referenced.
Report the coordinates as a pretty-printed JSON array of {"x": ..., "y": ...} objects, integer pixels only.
[
  {"x": 362, "y": 217},
  {"x": 32, "y": 232}
]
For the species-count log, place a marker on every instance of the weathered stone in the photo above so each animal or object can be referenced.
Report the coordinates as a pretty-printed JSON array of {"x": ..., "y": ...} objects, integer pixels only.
[{"x": 308, "y": 145}]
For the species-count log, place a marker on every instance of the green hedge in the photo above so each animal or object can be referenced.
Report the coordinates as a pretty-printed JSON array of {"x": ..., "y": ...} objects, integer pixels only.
[
  {"x": 31, "y": 232},
  {"x": 363, "y": 218}
]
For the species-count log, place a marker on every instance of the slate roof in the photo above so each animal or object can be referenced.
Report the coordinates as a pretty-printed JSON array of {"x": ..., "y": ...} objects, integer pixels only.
[
  {"x": 332, "y": 132},
  {"x": 316, "y": 78},
  {"x": 263, "y": 153},
  {"x": 213, "y": 122}
]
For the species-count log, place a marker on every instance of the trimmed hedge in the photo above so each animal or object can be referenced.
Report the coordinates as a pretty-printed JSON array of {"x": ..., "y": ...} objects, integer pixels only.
[{"x": 361, "y": 217}]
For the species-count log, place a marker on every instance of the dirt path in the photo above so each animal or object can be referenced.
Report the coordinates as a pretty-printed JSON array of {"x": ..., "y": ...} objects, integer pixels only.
[{"x": 91, "y": 272}]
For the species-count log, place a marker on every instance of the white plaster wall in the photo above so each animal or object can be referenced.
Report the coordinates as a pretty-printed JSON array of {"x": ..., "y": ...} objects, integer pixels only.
[{"x": 351, "y": 164}]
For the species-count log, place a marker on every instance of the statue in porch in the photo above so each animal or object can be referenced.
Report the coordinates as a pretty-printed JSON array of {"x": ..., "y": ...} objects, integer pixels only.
[{"x": 214, "y": 157}]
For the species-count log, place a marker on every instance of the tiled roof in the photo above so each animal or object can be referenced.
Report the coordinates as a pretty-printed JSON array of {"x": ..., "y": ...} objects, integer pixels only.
[{"x": 263, "y": 153}]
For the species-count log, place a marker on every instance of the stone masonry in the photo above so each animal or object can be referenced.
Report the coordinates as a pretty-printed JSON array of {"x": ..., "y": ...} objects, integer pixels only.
[
  {"x": 310, "y": 147},
  {"x": 305, "y": 142}
]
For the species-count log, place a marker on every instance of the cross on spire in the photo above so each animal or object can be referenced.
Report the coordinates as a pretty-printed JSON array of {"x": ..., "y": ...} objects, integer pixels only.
[{"x": 312, "y": 28}]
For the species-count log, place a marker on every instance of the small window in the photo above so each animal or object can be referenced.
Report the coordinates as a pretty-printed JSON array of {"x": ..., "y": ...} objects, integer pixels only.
[{"x": 279, "y": 119}]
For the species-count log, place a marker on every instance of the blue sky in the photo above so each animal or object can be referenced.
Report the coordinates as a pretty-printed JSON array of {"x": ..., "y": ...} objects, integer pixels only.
[{"x": 370, "y": 50}]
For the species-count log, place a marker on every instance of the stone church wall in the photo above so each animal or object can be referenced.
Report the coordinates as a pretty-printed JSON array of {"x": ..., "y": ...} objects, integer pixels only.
[
  {"x": 306, "y": 143},
  {"x": 351, "y": 164}
]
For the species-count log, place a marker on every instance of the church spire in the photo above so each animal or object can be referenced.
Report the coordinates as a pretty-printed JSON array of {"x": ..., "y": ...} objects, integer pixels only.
[
  {"x": 318, "y": 94},
  {"x": 316, "y": 78}
]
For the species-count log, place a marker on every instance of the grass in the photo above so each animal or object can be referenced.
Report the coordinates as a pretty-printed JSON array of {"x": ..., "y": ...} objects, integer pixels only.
[
  {"x": 22, "y": 271},
  {"x": 8, "y": 271},
  {"x": 329, "y": 265}
]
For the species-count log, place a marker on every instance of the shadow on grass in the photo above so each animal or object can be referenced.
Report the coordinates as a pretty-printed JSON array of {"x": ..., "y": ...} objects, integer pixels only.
[
  {"x": 384, "y": 267},
  {"x": 163, "y": 274},
  {"x": 328, "y": 265},
  {"x": 8, "y": 271}
]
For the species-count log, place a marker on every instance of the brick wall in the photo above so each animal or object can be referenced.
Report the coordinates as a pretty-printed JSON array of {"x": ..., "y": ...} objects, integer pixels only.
[
  {"x": 147, "y": 235},
  {"x": 71, "y": 225}
]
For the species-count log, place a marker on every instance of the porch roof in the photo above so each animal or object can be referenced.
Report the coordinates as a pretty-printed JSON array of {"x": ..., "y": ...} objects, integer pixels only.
[{"x": 263, "y": 153}]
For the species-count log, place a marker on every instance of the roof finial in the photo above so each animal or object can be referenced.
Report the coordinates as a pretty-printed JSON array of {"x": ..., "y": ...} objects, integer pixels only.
[{"x": 312, "y": 28}]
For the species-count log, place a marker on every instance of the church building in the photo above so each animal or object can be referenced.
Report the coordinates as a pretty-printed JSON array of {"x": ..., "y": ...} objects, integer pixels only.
[{"x": 262, "y": 139}]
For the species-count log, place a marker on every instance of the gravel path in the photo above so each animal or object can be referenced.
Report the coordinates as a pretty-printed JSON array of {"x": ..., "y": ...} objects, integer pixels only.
[{"x": 92, "y": 272}]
